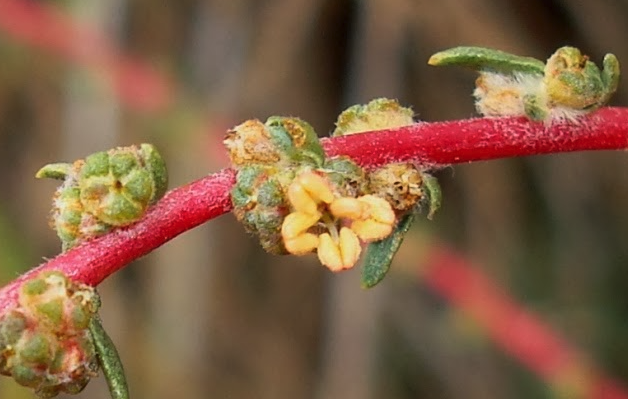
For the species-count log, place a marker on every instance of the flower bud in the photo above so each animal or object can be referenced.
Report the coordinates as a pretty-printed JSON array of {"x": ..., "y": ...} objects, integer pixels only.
[
  {"x": 45, "y": 343},
  {"x": 106, "y": 190}
]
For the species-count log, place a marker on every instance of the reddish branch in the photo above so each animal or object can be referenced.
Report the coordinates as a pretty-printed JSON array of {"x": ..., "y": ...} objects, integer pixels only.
[
  {"x": 431, "y": 144},
  {"x": 517, "y": 331},
  {"x": 44, "y": 27}
]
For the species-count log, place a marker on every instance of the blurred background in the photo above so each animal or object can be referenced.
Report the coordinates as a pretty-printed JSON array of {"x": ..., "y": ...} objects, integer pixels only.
[{"x": 210, "y": 315}]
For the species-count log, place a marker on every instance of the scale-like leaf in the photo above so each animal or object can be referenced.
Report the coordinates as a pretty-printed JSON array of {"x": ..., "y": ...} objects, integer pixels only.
[{"x": 379, "y": 254}]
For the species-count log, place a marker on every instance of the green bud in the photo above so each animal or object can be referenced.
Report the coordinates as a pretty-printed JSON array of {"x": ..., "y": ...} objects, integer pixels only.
[
  {"x": 26, "y": 376},
  {"x": 270, "y": 194},
  {"x": 296, "y": 139},
  {"x": 67, "y": 215},
  {"x": 106, "y": 190},
  {"x": 248, "y": 177},
  {"x": 349, "y": 178},
  {"x": 575, "y": 82},
  {"x": 239, "y": 198},
  {"x": 381, "y": 113},
  {"x": 12, "y": 327},
  {"x": 45, "y": 342},
  {"x": 52, "y": 311},
  {"x": 36, "y": 350},
  {"x": 156, "y": 167},
  {"x": 258, "y": 198},
  {"x": 117, "y": 186},
  {"x": 36, "y": 286},
  {"x": 567, "y": 86},
  {"x": 96, "y": 164},
  {"x": 80, "y": 317}
]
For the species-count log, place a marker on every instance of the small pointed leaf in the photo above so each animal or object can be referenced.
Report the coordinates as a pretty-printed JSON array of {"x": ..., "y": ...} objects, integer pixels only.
[
  {"x": 379, "y": 254},
  {"x": 434, "y": 194},
  {"x": 57, "y": 171},
  {"x": 486, "y": 59},
  {"x": 109, "y": 360}
]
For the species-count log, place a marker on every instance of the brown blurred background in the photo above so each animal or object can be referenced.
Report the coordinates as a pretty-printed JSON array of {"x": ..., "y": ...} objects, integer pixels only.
[{"x": 210, "y": 315}]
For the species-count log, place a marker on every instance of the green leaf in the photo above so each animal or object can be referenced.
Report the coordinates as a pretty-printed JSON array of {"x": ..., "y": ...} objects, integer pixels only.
[
  {"x": 434, "y": 194},
  {"x": 486, "y": 59},
  {"x": 109, "y": 360},
  {"x": 379, "y": 254},
  {"x": 57, "y": 171}
]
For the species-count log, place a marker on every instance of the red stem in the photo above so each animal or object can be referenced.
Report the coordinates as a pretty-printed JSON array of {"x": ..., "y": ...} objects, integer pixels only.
[
  {"x": 441, "y": 143},
  {"x": 430, "y": 144},
  {"x": 181, "y": 209},
  {"x": 42, "y": 26},
  {"x": 517, "y": 331}
]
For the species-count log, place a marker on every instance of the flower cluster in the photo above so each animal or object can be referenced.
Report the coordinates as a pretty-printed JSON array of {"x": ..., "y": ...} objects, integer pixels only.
[
  {"x": 332, "y": 225},
  {"x": 107, "y": 189},
  {"x": 283, "y": 174},
  {"x": 298, "y": 201},
  {"x": 45, "y": 343}
]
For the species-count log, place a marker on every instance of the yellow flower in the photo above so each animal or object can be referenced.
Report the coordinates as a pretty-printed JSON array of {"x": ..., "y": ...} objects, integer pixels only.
[{"x": 344, "y": 221}]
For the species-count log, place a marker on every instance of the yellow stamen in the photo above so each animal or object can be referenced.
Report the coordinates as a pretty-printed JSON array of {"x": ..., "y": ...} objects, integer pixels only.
[
  {"x": 379, "y": 209},
  {"x": 316, "y": 186},
  {"x": 300, "y": 199},
  {"x": 371, "y": 230},
  {"x": 350, "y": 247},
  {"x": 297, "y": 223},
  {"x": 341, "y": 255},
  {"x": 329, "y": 253},
  {"x": 301, "y": 245},
  {"x": 349, "y": 208},
  {"x": 307, "y": 191}
]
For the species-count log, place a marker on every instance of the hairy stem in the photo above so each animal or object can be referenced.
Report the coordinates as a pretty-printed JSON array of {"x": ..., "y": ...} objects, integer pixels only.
[{"x": 430, "y": 144}]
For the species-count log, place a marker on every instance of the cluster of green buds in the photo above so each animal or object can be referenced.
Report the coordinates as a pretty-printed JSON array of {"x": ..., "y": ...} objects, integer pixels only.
[
  {"x": 45, "y": 342},
  {"x": 105, "y": 190},
  {"x": 567, "y": 86},
  {"x": 298, "y": 201}
]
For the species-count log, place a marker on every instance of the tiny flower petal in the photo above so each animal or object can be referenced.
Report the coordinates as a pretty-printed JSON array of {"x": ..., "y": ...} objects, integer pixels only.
[
  {"x": 371, "y": 230},
  {"x": 297, "y": 223},
  {"x": 316, "y": 186},
  {"x": 301, "y": 199},
  {"x": 301, "y": 245},
  {"x": 329, "y": 253},
  {"x": 349, "y": 208},
  {"x": 380, "y": 210},
  {"x": 350, "y": 247}
]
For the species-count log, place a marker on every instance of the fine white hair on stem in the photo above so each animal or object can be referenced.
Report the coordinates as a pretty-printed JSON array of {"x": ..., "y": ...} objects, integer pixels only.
[{"x": 502, "y": 95}]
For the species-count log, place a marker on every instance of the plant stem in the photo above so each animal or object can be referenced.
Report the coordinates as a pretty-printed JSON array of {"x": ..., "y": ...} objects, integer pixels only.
[
  {"x": 181, "y": 209},
  {"x": 518, "y": 332},
  {"x": 442, "y": 143},
  {"x": 429, "y": 144}
]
